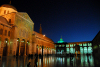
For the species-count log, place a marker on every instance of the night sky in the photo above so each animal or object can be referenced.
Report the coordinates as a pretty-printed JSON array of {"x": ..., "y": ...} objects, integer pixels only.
[{"x": 74, "y": 20}]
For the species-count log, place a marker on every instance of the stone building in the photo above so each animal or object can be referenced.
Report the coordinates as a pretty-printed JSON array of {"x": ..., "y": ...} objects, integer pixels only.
[
  {"x": 40, "y": 42},
  {"x": 17, "y": 35},
  {"x": 73, "y": 47},
  {"x": 96, "y": 49}
]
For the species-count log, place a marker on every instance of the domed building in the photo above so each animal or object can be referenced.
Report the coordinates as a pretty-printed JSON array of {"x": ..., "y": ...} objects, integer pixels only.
[
  {"x": 17, "y": 36},
  {"x": 6, "y": 9}
]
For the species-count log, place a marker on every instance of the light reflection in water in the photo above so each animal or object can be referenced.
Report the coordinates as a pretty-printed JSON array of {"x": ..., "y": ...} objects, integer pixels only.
[{"x": 82, "y": 61}]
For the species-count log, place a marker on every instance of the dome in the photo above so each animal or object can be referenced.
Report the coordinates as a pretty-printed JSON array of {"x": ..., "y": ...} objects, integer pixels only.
[
  {"x": 8, "y": 6},
  {"x": 3, "y": 20}
]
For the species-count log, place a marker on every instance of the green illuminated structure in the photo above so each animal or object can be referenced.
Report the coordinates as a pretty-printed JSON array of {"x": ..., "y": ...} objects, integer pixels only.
[{"x": 61, "y": 40}]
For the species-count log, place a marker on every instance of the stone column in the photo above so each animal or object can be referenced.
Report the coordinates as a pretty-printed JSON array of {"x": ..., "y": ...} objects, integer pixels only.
[{"x": 19, "y": 47}]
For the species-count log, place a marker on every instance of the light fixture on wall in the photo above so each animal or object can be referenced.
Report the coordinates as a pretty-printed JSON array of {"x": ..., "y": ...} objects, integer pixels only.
[
  {"x": 43, "y": 35},
  {"x": 6, "y": 41}
]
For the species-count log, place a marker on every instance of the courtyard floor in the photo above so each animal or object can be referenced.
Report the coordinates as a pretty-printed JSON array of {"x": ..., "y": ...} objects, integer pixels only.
[{"x": 50, "y": 61}]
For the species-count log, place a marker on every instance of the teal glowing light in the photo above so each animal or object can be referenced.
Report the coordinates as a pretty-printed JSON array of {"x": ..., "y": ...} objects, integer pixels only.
[
  {"x": 80, "y": 44},
  {"x": 71, "y": 50},
  {"x": 67, "y": 49},
  {"x": 67, "y": 45},
  {"x": 71, "y": 45},
  {"x": 89, "y": 44},
  {"x": 61, "y": 41},
  {"x": 95, "y": 47},
  {"x": 84, "y": 44},
  {"x": 63, "y": 45},
  {"x": 59, "y": 45}
]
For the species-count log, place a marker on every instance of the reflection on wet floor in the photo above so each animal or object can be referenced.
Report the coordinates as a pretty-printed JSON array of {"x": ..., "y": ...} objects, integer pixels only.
[{"x": 51, "y": 61}]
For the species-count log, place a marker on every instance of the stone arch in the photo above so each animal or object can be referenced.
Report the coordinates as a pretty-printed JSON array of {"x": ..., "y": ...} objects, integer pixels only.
[
  {"x": 6, "y": 43},
  {"x": 17, "y": 47},
  {"x": 22, "y": 47},
  {"x": 27, "y": 47}
]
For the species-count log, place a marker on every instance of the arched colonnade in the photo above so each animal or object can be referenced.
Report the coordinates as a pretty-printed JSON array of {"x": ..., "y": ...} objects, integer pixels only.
[{"x": 46, "y": 50}]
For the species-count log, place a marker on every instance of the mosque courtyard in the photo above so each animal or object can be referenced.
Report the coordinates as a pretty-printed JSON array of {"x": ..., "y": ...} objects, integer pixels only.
[{"x": 49, "y": 61}]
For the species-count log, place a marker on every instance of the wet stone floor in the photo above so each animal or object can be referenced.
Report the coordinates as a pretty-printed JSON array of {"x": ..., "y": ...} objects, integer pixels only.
[{"x": 50, "y": 61}]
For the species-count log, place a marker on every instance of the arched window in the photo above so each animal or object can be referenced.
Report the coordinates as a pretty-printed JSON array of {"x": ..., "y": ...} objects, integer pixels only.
[
  {"x": 9, "y": 20},
  {"x": 1, "y": 31},
  {"x": 5, "y": 32},
  {"x": 5, "y": 12},
  {"x": 9, "y": 33},
  {"x": 8, "y": 11}
]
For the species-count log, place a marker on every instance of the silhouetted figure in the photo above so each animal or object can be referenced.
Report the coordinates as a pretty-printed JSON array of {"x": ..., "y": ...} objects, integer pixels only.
[
  {"x": 36, "y": 60},
  {"x": 28, "y": 65}
]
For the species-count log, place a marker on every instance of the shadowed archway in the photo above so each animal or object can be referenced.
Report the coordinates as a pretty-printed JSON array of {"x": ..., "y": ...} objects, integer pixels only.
[
  {"x": 5, "y": 47},
  {"x": 27, "y": 48},
  {"x": 22, "y": 48},
  {"x": 17, "y": 49}
]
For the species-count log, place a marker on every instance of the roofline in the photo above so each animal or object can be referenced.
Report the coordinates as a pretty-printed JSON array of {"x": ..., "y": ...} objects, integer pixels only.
[{"x": 96, "y": 35}]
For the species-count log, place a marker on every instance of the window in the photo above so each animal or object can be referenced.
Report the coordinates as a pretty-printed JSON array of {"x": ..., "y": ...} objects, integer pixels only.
[
  {"x": 89, "y": 44},
  {"x": 1, "y": 31},
  {"x": 8, "y": 11},
  {"x": 9, "y": 33},
  {"x": 9, "y": 20},
  {"x": 74, "y": 44},
  {"x": 81, "y": 50},
  {"x": 85, "y": 44},
  {"x": 71, "y": 50},
  {"x": 5, "y": 32},
  {"x": 67, "y": 45},
  {"x": 85, "y": 50},
  {"x": 63, "y": 45},
  {"x": 80, "y": 44},
  {"x": 90, "y": 50},
  {"x": 5, "y": 12},
  {"x": 71, "y": 45},
  {"x": 59, "y": 45},
  {"x": 67, "y": 50}
]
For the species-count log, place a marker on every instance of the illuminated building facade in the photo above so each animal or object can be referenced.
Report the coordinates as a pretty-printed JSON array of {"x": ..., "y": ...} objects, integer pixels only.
[
  {"x": 17, "y": 36},
  {"x": 60, "y": 47},
  {"x": 73, "y": 47}
]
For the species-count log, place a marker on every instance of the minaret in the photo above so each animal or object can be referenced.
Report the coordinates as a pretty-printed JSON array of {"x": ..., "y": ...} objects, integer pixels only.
[
  {"x": 40, "y": 30},
  {"x": 10, "y": 2}
]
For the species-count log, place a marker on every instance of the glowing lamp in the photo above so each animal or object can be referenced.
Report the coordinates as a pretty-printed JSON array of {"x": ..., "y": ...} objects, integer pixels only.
[{"x": 6, "y": 41}]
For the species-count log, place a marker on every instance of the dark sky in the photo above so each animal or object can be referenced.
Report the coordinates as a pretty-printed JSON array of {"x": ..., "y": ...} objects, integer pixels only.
[{"x": 74, "y": 20}]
